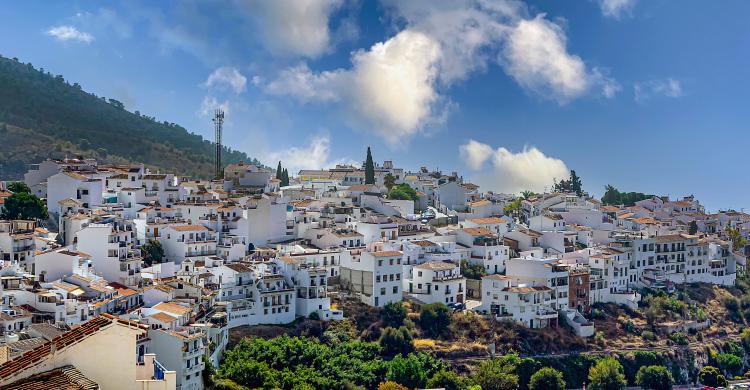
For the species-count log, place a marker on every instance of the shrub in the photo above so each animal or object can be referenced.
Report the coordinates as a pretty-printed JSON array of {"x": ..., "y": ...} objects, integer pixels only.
[
  {"x": 390, "y": 385},
  {"x": 396, "y": 341},
  {"x": 654, "y": 378},
  {"x": 607, "y": 374},
  {"x": 496, "y": 374},
  {"x": 729, "y": 364},
  {"x": 434, "y": 319},
  {"x": 711, "y": 376},
  {"x": 407, "y": 371},
  {"x": 445, "y": 379},
  {"x": 648, "y": 335},
  {"x": 547, "y": 378},
  {"x": 679, "y": 338},
  {"x": 745, "y": 337},
  {"x": 394, "y": 314}
]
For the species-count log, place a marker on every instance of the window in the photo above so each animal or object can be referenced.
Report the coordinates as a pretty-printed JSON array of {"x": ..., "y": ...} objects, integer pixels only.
[
  {"x": 395, "y": 289},
  {"x": 382, "y": 291}
]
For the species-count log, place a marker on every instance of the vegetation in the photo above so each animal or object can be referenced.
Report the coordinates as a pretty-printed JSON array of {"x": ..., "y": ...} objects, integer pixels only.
[
  {"x": 547, "y": 378},
  {"x": 283, "y": 175},
  {"x": 654, "y": 378},
  {"x": 434, "y": 319},
  {"x": 693, "y": 227},
  {"x": 18, "y": 186},
  {"x": 389, "y": 181},
  {"x": 45, "y": 116},
  {"x": 496, "y": 374},
  {"x": 712, "y": 377},
  {"x": 369, "y": 168},
  {"x": 607, "y": 374},
  {"x": 394, "y": 314},
  {"x": 472, "y": 271},
  {"x": 403, "y": 191},
  {"x": 152, "y": 252},
  {"x": 571, "y": 184},
  {"x": 396, "y": 341},
  {"x": 735, "y": 236},
  {"x": 24, "y": 205},
  {"x": 614, "y": 197}
]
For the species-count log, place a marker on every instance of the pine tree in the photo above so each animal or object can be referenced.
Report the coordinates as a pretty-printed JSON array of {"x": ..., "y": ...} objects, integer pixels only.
[
  {"x": 369, "y": 168},
  {"x": 278, "y": 171}
]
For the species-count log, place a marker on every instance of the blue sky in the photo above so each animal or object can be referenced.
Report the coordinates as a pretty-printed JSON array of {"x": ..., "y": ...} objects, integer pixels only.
[{"x": 649, "y": 96}]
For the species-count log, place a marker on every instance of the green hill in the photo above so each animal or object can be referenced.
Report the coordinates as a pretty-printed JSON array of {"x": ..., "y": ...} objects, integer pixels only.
[{"x": 43, "y": 116}]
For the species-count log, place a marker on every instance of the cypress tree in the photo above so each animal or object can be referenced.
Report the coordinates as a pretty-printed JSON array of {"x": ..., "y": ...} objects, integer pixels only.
[
  {"x": 369, "y": 168},
  {"x": 278, "y": 171}
]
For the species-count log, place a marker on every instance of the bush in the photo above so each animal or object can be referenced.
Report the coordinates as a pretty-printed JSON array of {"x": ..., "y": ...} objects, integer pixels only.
[
  {"x": 496, "y": 374},
  {"x": 434, "y": 319},
  {"x": 547, "y": 378},
  {"x": 445, "y": 379},
  {"x": 607, "y": 374},
  {"x": 729, "y": 364},
  {"x": 407, "y": 371},
  {"x": 745, "y": 337},
  {"x": 648, "y": 335},
  {"x": 711, "y": 376},
  {"x": 390, "y": 385},
  {"x": 394, "y": 314},
  {"x": 227, "y": 384},
  {"x": 654, "y": 378},
  {"x": 679, "y": 338},
  {"x": 396, "y": 341}
]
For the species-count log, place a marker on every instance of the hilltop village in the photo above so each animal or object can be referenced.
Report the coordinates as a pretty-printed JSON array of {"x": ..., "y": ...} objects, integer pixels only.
[{"x": 133, "y": 278}]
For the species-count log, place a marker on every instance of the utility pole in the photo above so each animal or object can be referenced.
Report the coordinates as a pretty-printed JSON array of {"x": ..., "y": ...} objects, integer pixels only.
[{"x": 218, "y": 123}]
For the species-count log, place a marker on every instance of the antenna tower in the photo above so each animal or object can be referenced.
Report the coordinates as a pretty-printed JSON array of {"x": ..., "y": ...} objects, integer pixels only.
[{"x": 218, "y": 123}]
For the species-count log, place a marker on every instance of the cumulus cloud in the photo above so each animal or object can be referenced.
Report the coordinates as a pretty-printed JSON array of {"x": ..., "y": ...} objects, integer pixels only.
[
  {"x": 293, "y": 27},
  {"x": 398, "y": 86},
  {"x": 316, "y": 155},
  {"x": 616, "y": 8},
  {"x": 391, "y": 85},
  {"x": 69, "y": 33},
  {"x": 513, "y": 172},
  {"x": 227, "y": 76},
  {"x": 668, "y": 87},
  {"x": 537, "y": 58},
  {"x": 475, "y": 153},
  {"x": 210, "y": 103}
]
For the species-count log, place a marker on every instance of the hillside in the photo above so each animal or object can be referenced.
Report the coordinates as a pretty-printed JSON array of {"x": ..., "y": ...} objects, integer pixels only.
[{"x": 43, "y": 116}]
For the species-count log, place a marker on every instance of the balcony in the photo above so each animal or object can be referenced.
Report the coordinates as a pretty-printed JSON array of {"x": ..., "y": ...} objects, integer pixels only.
[{"x": 200, "y": 253}]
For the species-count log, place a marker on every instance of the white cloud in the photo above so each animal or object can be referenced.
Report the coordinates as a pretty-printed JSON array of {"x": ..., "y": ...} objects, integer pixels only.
[
  {"x": 390, "y": 86},
  {"x": 510, "y": 172},
  {"x": 293, "y": 27},
  {"x": 316, "y": 155},
  {"x": 475, "y": 154},
  {"x": 536, "y": 57},
  {"x": 668, "y": 87},
  {"x": 210, "y": 103},
  {"x": 69, "y": 33},
  {"x": 227, "y": 76},
  {"x": 397, "y": 87},
  {"x": 616, "y": 8}
]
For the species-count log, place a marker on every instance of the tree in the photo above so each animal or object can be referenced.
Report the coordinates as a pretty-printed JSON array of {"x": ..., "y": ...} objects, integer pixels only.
[
  {"x": 496, "y": 374},
  {"x": 369, "y": 168},
  {"x": 445, "y": 379},
  {"x": 407, "y": 371},
  {"x": 389, "y": 181},
  {"x": 572, "y": 184},
  {"x": 607, "y": 374},
  {"x": 472, "y": 271},
  {"x": 547, "y": 378},
  {"x": 734, "y": 235},
  {"x": 611, "y": 195},
  {"x": 278, "y": 171},
  {"x": 403, "y": 191},
  {"x": 284, "y": 177},
  {"x": 711, "y": 376},
  {"x": 18, "y": 186},
  {"x": 654, "y": 378},
  {"x": 526, "y": 194},
  {"x": 23, "y": 205},
  {"x": 391, "y": 385},
  {"x": 395, "y": 341},
  {"x": 394, "y": 314},
  {"x": 434, "y": 319},
  {"x": 693, "y": 227},
  {"x": 730, "y": 364},
  {"x": 152, "y": 252}
]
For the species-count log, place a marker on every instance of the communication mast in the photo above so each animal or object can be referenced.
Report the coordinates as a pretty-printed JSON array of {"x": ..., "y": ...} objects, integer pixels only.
[{"x": 218, "y": 122}]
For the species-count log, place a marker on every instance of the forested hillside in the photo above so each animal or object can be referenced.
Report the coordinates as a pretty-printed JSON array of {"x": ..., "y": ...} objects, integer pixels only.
[{"x": 42, "y": 116}]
